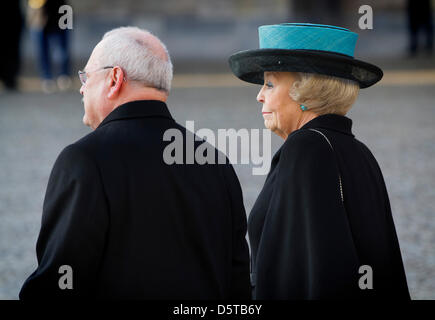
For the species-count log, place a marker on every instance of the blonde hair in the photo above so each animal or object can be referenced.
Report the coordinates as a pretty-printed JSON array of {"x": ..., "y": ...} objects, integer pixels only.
[{"x": 324, "y": 94}]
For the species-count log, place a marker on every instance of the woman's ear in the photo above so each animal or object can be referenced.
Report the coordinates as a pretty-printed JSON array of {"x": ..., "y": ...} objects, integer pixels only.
[{"x": 116, "y": 80}]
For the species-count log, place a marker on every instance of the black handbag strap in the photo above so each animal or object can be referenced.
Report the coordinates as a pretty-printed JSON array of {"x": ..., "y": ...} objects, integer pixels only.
[
  {"x": 341, "y": 186},
  {"x": 338, "y": 168}
]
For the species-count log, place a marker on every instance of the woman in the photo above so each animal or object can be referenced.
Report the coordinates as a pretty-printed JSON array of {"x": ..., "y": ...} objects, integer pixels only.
[{"x": 321, "y": 227}]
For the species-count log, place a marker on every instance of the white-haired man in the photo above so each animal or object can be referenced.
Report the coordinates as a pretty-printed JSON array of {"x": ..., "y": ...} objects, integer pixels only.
[{"x": 118, "y": 222}]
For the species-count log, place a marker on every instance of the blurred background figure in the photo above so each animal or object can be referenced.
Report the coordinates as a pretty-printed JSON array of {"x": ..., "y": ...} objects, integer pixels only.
[
  {"x": 322, "y": 12},
  {"x": 11, "y": 25},
  {"x": 43, "y": 21},
  {"x": 420, "y": 18}
]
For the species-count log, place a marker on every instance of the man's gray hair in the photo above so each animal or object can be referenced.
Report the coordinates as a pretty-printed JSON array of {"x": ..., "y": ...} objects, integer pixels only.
[{"x": 130, "y": 49}]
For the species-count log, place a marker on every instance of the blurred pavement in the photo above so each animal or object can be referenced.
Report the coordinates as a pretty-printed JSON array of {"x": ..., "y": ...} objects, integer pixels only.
[
  {"x": 395, "y": 119},
  {"x": 396, "y": 122}
]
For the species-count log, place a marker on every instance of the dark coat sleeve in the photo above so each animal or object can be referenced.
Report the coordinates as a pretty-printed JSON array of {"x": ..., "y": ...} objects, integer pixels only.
[
  {"x": 240, "y": 281},
  {"x": 306, "y": 249},
  {"x": 73, "y": 229}
]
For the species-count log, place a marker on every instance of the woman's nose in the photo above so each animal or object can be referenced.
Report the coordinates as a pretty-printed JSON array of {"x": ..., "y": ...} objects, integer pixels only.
[{"x": 260, "y": 97}]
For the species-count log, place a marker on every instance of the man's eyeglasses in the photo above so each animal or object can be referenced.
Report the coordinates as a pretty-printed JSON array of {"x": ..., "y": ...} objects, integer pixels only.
[{"x": 83, "y": 75}]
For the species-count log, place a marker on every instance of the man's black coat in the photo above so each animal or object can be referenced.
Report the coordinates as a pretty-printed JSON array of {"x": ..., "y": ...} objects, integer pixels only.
[
  {"x": 305, "y": 243},
  {"x": 131, "y": 226}
]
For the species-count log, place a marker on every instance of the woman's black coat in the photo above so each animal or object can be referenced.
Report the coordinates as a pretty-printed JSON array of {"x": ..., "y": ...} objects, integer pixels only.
[{"x": 305, "y": 243}]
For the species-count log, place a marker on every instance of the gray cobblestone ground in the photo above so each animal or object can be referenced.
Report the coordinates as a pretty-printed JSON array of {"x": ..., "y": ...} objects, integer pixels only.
[{"x": 397, "y": 123}]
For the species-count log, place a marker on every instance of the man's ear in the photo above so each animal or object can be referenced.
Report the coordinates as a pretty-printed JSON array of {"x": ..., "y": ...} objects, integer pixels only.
[{"x": 116, "y": 79}]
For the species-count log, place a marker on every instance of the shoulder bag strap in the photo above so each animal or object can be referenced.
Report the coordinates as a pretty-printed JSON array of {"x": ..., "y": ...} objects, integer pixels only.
[{"x": 332, "y": 148}]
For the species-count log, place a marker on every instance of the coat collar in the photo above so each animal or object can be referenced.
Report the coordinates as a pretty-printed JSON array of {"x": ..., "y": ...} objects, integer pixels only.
[
  {"x": 333, "y": 122},
  {"x": 138, "y": 109}
]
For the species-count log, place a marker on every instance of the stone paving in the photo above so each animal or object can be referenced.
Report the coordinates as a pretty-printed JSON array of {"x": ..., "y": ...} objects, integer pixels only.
[{"x": 396, "y": 122}]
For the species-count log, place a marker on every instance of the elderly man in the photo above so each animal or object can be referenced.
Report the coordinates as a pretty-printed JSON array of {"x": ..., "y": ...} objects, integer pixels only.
[{"x": 118, "y": 221}]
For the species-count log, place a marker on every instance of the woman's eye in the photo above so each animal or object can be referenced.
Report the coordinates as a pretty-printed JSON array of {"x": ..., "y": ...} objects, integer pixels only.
[{"x": 269, "y": 84}]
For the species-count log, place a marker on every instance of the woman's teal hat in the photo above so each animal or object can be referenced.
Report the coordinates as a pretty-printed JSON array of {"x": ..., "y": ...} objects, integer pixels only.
[{"x": 304, "y": 47}]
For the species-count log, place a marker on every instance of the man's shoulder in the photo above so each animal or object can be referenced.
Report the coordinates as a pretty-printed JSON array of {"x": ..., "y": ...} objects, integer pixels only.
[
  {"x": 91, "y": 142},
  {"x": 73, "y": 160},
  {"x": 72, "y": 155},
  {"x": 89, "y": 139}
]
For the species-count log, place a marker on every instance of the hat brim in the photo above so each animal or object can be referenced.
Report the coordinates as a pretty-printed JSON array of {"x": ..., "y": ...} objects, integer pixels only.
[{"x": 250, "y": 65}]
